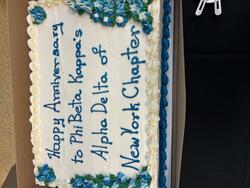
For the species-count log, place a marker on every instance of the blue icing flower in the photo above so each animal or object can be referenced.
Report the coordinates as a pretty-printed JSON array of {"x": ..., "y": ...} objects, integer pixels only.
[
  {"x": 121, "y": 21},
  {"x": 145, "y": 176},
  {"x": 107, "y": 181},
  {"x": 98, "y": 5},
  {"x": 72, "y": 4},
  {"x": 88, "y": 184},
  {"x": 144, "y": 16},
  {"x": 120, "y": 9},
  {"x": 109, "y": 7},
  {"x": 144, "y": 185},
  {"x": 97, "y": 16},
  {"x": 130, "y": 1},
  {"x": 84, "y": 5},
  {"x": 46, "y": 174},
  {"x": 139, "y": 3},
  {"x": 77, "y": 182},
  {"x": 115, "y": 185},
  {"x": 38, "y": 14},
  {"x": 135, "y": 8},
  {"x": 108, "y": 10},
  {"x": 121, "y": 178},
  {"x": 132, "y": 183},
  {"x": 108, "y": 21},
  {"x": 147, "y": 27},
  {"x": 80, "y": 182},
  {"x": 117, "y": 2}
]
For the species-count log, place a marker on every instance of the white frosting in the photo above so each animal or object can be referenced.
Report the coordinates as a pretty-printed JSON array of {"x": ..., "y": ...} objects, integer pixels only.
[
  {"x": 153, "y": 92},
  {"x": 115, "y": 40}
]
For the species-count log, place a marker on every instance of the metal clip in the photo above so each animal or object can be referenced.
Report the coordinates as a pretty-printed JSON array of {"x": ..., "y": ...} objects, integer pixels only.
[{"x": 201, "y": 6}]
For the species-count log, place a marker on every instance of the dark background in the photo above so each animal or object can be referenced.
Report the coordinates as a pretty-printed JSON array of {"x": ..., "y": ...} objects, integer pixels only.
[{"x": 217, "y": 60}]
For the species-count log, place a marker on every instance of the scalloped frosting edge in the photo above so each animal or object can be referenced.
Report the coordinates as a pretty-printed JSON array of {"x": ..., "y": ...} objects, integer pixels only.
[
  {"x": 153, "y": 95},
  {"x": 32, "y": 31}
]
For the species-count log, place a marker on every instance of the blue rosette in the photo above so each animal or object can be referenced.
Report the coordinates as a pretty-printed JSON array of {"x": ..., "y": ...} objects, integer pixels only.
[
  {"x": 38, "y": 14},
  {"x": 45, "y": 174}
]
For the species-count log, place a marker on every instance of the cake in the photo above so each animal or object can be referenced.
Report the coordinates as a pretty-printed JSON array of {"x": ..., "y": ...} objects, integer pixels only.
[{"x": 99, "y": 93}]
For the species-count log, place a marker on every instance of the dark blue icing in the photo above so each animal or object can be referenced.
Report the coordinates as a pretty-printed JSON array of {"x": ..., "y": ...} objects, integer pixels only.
[
  {"x": 38, "y": 14},
  {"x": 80, "y": 63},
  {"x": 45, "y": 174},
  {"x": 102, "y": 53},
  {"x": 54, "y": 105},
  {"x": 164, "y": 92}
]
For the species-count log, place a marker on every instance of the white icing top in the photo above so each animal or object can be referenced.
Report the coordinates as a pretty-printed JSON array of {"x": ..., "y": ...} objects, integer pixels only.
[{"x": 115, "y": 41}]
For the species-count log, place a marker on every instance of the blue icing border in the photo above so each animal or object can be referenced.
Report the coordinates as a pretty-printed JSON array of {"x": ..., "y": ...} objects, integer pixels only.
[
  {"x": 164, "y": 92},
  {"x": 143, "y": 179}
]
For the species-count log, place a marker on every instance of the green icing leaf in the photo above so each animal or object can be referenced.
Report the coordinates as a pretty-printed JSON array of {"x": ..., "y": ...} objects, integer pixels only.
[
  {"x": 149, "y": 2},
  {"x": 100, "y": 176},
  {"x": 150, "y": 19},
  {"x": 136, "y": 18},
  {"x": 99, "y": 180},
  {"x": 144, "y": 169},
  {"x": 112, "y": 177},
  {"x": 144, "y": 8},
  {"x": 137, "y": 181},
  {"x": 89, "y": 177},
  {"x": 46, "y": 183},
  {"x": 80, "y": 12},
  {"x": 123, "y": 185}
]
